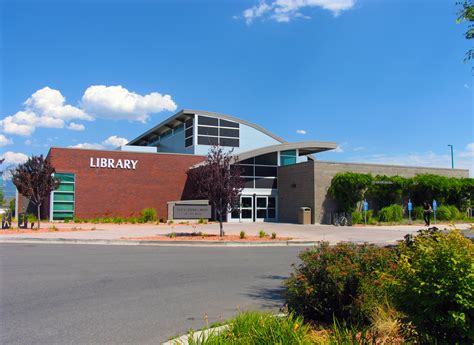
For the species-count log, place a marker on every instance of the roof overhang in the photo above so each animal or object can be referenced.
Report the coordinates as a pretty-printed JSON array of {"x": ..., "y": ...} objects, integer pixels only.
[{"x": 305, "y": 148}]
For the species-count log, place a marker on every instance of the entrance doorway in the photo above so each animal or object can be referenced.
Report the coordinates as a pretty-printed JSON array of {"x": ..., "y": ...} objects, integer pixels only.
[{"x": 255, "y": 208}]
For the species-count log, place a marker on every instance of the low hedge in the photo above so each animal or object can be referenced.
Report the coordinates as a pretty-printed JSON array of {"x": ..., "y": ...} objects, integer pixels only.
[{"x": 392, "y": 213}]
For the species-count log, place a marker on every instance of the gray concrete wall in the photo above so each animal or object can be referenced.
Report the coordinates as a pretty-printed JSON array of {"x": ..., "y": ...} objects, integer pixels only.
[
  {"x": 296, "y": 188},
  {"x": 325, "y": 171},
  {"x": 306, "y": 184}
]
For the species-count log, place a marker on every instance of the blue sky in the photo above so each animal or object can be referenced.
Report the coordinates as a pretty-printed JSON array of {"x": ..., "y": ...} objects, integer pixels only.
[{"x": 384, "y": 79}]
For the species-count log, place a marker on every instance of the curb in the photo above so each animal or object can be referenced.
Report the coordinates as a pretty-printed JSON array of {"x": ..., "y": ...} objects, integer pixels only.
[
  {"x": 157, "y": 243},
  {"x": 183, "y": 340}
]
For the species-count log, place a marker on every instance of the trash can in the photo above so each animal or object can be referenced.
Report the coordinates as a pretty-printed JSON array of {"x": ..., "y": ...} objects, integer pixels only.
[{"x": 304, "y": 216}]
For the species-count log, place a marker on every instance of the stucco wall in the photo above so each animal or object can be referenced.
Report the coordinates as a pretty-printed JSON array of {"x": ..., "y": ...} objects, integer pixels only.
[
  {"x": 306, "y": 184},
  {"x": 296, "y": 188}
]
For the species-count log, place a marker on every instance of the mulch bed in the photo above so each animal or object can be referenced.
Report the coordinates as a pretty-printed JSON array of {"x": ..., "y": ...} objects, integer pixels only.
[
  {"x": 207, "y": 237},
  {"x": 42, "y": 230}
]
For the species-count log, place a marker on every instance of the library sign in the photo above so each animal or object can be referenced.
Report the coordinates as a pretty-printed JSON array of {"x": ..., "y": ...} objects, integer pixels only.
[{"x": 111, "y": 163}]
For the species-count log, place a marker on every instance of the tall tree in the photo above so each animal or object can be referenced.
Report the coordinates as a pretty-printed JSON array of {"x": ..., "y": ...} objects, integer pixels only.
[
  {"x": 34, "y": 179},
  {"x": 218, "y": 180},
  {"x": 466, "y": 14}
]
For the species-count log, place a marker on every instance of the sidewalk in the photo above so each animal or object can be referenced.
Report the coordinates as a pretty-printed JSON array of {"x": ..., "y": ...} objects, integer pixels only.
[{"x": 298, "y": 233}]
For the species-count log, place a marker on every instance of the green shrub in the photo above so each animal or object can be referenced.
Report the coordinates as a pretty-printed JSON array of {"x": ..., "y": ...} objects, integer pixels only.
[
  {"x": 392, "y": 213},
  {"x": 242, "y": 235},
  {"x": 32, "y": 218},
  {"x": 162, "y": 220},
  {"x": 148, "y": 215},
  {"x": 260, "y": 328},
  {"x": 172, "y": 235},
  {"x": 434, "y": 285},
  {"x": 357, "y": 217},
  {"x": 343, "y": 281},
  {"x": 418, "y": 212},
  {"x": 455, "y": 214},
  {"x": 443, "y": 213},
  {"x": 202, "y": 221},
  {"x": 274, "y": 235},
  {"x": 262, "y": 234}
]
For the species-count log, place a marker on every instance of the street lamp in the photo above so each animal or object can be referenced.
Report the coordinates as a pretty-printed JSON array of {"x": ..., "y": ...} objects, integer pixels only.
[{"x": 452, "y": 158}]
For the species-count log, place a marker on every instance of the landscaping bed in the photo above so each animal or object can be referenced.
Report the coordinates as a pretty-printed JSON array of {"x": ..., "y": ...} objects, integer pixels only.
[{"x": 207, "y": 237}]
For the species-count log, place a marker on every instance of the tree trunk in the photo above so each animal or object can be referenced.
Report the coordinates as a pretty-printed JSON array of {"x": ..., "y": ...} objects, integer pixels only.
[
  {"x": 221, "y": 228},
  {"x": 39, "y": 215}
]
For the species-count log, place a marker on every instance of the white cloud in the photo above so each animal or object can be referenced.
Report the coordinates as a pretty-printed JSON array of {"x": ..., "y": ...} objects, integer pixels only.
[
  {"x": 76, "y": 126},
  {"x": 5, "y": 141},
  {"x": 466, "y": 86},
  {"x": 300, "y": 131},
  {"x": 115, "y": 141},
  {"x": 286, "y": 10},
  {"x": 116, "y": 102},
  {"x": 45, "y": 108},
  {"x": 111, "y": 142},
  {"x": 358, "y": 148},
  {"x": 13, "y": 158},
  {"x": 339, "y": 149},
  {"x": 96, "y": 146}
]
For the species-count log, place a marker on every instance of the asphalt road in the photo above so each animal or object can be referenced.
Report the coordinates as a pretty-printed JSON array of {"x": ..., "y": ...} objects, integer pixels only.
[{"x": 81, "y": 294}]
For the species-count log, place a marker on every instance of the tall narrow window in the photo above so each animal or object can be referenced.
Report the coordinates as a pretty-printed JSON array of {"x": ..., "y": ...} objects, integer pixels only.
[{"x": 64, "y": 197}]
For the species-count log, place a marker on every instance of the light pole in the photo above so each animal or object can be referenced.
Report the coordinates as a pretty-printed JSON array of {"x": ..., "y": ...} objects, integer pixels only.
[{"x": 452, "y": 158}]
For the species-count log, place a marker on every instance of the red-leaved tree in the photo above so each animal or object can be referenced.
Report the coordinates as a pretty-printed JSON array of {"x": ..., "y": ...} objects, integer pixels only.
[
  {"x": 218, "y": 181},
  {"x": 34, "y": 179}
]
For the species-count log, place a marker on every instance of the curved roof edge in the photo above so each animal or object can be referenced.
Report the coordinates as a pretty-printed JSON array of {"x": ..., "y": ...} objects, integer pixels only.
[
  {"x": 208, "y": 113},
  {"x": 305, "y": 148}
]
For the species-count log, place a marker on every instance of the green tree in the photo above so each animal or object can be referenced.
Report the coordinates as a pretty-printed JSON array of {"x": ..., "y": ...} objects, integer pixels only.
[
  {"x": 348, "y": 189},
  {"x": 466, "y": 14}
]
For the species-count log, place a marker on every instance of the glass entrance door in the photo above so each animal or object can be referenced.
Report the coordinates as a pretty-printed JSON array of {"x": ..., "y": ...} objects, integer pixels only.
[
  {"x": 261, "y": 204},
  {"x": 246, "y": 208}
]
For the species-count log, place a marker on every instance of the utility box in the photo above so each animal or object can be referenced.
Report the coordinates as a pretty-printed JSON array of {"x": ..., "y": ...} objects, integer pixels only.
[{"x": 304, "y": 215}]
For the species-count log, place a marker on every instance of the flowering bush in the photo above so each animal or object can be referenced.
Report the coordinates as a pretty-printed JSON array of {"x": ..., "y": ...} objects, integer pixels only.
[
  {"x": 434, "y": 285},
  {"x": 342, "y": 281}
]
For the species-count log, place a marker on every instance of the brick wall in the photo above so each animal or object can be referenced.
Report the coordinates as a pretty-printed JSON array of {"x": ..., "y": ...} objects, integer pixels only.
[{"x": 158, "y": 178}]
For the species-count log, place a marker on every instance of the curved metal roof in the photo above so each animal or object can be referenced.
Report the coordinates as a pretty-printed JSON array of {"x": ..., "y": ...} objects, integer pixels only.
[
  {"x": 305, "y": 148},
  {"x": 184, "y": 114}
]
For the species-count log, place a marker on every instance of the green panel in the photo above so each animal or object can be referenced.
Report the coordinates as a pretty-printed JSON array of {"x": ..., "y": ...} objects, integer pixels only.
[
  {"x": 62, "y": 215},
  {"x": 63, "y": 196},
  {"x": 66, "y": 187},
  {"x": 64, "y": 177},
  {"x": 287, "y": 160},
  {"x": 60, "y": 206},
  {"x": 288, "y": 153}
]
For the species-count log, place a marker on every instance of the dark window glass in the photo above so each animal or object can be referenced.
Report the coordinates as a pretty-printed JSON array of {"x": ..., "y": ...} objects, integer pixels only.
[
  {"x": 271, "y": 202},
  {"x": 248, "y": 182},
  {"x": 209, "y": 121},
  {"x": 247, "y": 201},
  {"x": 188, "y": 142},
  {"x": 225, "y": 132},
  {"x": 245, "y": 170},
  {"x": 189, "y": 132},
  {"x": 229, "y": 142},
  {"x": 267, "y": 159},
  {"x": 189, "y": 123},
  {"x": 262, "y": 214},
  {"x": 246, "y": 214},
  {"x": 207, "y": 140},
  {"x": 235, "y": 214},
  {"x": 225, "y": 123},
  {"x": 207, "y": 130},
  {"x": 265, "y": 183},
  {"x": 271, "y": 213},
  {"x": 288, "y": 153},
  {"x": 247, "y": 161},
  {"x": 261, "y": 202},
  {"x": 265, "y": 171}
]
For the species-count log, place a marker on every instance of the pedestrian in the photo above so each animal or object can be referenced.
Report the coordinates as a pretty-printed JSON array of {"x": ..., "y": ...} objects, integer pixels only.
[{"x": 427, "y": 213}]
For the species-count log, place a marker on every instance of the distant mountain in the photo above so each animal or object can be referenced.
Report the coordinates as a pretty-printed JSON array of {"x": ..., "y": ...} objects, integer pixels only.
[{"x": 9, "y": 189}]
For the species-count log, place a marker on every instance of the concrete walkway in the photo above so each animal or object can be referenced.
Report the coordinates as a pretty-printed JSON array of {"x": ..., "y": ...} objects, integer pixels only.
[{"x": 330, "y": 233}]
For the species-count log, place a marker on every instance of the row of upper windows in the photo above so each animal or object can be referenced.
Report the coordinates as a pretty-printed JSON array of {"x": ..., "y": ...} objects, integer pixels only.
[{"x": 214, "y": 131}]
